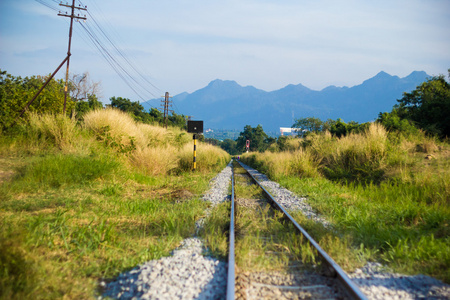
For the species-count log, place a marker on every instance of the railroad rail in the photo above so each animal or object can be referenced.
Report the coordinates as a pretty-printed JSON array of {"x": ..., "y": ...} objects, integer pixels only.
[{"x": 336, "y": 271}]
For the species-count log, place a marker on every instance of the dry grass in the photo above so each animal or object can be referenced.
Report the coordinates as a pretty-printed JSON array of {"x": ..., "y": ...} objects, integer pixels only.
[
  {"x": 155, "y": 161},
  {"x": 49, "y": 131},
  {"x": 208, "y": 158},
  {"x": 299, "y": 163},
  {"x": 392, "y": 198},
  {"x": 118, "y": 125},
  {"x": 152, "y": 149}
]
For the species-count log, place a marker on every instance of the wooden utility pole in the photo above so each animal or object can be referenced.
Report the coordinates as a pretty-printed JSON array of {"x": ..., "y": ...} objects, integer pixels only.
[
  {"x": 71, "y": 16},
  {"x": 166, "y": 104}
]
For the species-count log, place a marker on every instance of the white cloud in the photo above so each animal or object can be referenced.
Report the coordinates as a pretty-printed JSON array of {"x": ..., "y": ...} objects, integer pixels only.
[{"x": 182, "y": 44}]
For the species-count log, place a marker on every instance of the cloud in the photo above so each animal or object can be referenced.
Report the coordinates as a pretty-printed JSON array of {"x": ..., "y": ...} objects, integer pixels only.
[{"x": 182, "y": 45}]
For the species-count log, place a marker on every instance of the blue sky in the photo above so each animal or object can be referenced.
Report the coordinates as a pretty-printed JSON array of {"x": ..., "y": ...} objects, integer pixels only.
[{"x": 182, "y": 45}]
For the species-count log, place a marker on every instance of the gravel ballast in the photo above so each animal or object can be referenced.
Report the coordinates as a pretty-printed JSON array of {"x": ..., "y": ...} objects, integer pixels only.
[
  {"x": 190, "y": 274},
  {"x": 374, "y": 280},
  {"x": 187, "y": 274}
]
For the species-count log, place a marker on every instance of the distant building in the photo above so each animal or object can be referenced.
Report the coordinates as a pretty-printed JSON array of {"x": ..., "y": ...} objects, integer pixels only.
[{"x": 284, "y": 130}]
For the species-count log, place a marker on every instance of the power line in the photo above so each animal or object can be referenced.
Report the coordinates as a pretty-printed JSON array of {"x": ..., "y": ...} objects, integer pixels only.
[
  {"x": 108, "y": 57},
  {"x": 120, "y": 52},
  {"x": 114, "y": 56},
  {"x": 48, "y": 5}
]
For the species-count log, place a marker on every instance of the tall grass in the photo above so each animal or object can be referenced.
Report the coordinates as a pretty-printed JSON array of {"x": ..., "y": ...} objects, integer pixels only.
[
  {"x": 152, "y": 149},
  {"x": 47, "y": 132},
  {"x": 390, "y": 193},
  {"x": 209, "y": 158},
  {"x": 360, "y": 157},
  {"x": 84, "y": 202},
  {"x": 356, "y": 156},
  {"x": 58, "y": 130},
  {"x": 155, "y": 160},
  {"x": 113, "y": 127},
  {"x": 299, "y": 163}
]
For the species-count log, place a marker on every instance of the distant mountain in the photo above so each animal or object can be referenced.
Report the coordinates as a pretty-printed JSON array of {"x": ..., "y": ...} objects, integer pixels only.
[{"x": 224, "y": 104}]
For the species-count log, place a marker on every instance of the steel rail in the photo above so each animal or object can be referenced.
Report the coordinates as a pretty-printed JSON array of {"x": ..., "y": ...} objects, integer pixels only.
[
  {"x": 350, "y": 287},
  {"x": 231, "y": 271}
]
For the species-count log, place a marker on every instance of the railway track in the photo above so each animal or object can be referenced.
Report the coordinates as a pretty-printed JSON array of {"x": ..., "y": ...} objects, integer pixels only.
[
  {"x": 267, "y": 250},
  {"x": 272, "y": 268}
]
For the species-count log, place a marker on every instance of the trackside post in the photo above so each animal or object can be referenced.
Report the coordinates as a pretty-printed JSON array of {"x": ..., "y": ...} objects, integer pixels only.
[
  {"x": 195, "y": 127},
  {"x": 195, "y": 151}
]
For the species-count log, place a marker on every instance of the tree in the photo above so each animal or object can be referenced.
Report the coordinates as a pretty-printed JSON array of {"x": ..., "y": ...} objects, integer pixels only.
[
  {"x": 93, "y": 102},
  {"x": 282, "y": 143},
  {"x": 229, "y": 145},
  {"x": 428, "y": 106},
  {"x": 134, "y": 108},
  {"x": 84, "y": 92},
  {"x": 339, "y": 128},
  {"x": 151, "y": 117},
  {"x": 81, "y": 87},
  {"x": 16, "y": 92},
  {"x": 310, "y": 124},
  {"x": 178, "y": 121},
  {"x": 82, "y": 107},
  {"x": 393, "y": 123},
  {"x": 259, "y": 140},
  {"x": 156, "y": 115}
]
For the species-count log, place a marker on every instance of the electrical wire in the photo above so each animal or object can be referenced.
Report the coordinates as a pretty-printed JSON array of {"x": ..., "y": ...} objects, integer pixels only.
[
  {"x": 118, "y": 50},
  {"x": 113, "y": 55},
  {"x": 48, "y": 5},
  {"x": 112, "y": 62}
]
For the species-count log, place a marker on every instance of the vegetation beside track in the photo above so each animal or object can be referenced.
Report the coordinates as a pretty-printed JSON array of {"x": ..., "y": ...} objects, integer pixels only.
[
  {"x": 85, "y": 201},
  {"x": 264, "y": 240},
  {"x": 387, "y": 193}
]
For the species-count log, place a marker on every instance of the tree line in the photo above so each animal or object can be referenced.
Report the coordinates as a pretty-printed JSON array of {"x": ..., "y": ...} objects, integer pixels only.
[
  {"x": 426, "y": 108},
  {"x": 17, "y": 91}
]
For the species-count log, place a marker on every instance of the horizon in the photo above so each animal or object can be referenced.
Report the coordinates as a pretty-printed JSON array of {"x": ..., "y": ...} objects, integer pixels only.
[
  {"x": 316, "y": 90},
  {"x": 181, "y": 47}
]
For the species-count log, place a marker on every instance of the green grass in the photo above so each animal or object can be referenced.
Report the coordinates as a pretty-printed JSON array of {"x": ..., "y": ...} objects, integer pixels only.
[
  {"x": 216, "y": 228},
  {"x": 61, "y": 234},
  {"x": 392, "y": 223},
  {"x": 73, "y": 210},
  {"x": 386, "y": 194}
]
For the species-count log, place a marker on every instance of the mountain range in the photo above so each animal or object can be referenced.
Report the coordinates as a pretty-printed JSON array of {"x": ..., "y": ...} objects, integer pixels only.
[{"x": 224, "y": 104}]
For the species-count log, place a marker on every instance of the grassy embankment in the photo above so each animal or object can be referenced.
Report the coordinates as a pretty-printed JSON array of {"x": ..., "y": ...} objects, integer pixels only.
[
  {"x": 80, "y": 202},
  {"x": 386, "y": 195}
]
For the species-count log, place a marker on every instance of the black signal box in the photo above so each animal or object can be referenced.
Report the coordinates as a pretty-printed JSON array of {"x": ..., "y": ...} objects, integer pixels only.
[{"x": 195, "y": 126}]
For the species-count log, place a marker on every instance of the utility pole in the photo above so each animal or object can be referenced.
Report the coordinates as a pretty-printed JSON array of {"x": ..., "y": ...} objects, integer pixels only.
[
  {"x": 166, "y": 104},
  {"x": 71, "y": 16}
]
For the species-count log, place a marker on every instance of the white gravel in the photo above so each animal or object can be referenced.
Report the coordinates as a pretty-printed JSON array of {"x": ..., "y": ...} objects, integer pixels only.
[
  {"x": 379, "y": 283},
  {"x": 286, "y": 198},
  {"x": 189, "y": 274},
  {"x": 374, "y": 280}
]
